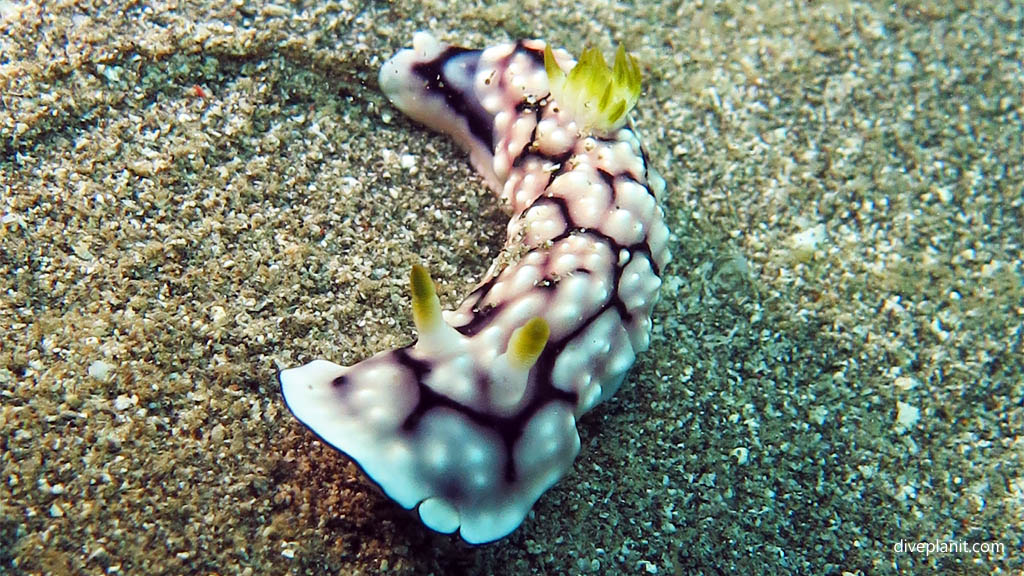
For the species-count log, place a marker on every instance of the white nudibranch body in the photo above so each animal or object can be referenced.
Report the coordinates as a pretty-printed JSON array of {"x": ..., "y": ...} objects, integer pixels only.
[{"x": 474, "y": 421}]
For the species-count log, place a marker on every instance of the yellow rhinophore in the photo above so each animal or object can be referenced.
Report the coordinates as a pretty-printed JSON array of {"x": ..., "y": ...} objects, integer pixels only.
[
  {"x": 426, "y": 307},
  {"x": 436, "y": 336},
  {"x": 598, "y": 97},
  {"x": 527, "y": 342},
  {"x": 510, "y": 372}
]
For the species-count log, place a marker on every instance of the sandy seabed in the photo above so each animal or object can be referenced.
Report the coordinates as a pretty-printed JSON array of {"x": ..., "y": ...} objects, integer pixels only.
[{"x": 195, "y": 195}]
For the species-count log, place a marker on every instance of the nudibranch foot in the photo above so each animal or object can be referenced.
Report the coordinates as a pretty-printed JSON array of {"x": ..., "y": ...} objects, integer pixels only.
[{"x": 477, "y": 418}]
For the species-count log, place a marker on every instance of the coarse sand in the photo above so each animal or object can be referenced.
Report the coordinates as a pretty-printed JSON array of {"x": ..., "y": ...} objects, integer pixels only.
[{"x": 196, "y": 194}]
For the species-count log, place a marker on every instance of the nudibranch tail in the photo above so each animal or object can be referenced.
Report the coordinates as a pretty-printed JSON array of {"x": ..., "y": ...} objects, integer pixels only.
[
  {"x": 597, "y": 96},
  {"x": 471, "y": 423}
]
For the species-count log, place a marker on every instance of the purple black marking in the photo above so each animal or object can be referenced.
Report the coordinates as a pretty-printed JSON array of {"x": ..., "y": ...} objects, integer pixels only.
[
  {"x": 508, "y": 428},
  {"x": 481, "y": 123}
]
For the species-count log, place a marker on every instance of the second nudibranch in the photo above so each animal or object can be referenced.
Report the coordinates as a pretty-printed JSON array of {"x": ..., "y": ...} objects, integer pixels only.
[{"x": 477, "y": 418}]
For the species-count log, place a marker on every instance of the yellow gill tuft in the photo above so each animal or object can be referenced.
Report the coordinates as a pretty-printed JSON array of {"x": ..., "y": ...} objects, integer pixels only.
[{"x": 597, "y": 96}]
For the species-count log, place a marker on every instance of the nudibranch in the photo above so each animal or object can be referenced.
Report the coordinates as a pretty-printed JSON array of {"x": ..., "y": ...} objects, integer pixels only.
[{"x": 477, "y": 418}]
